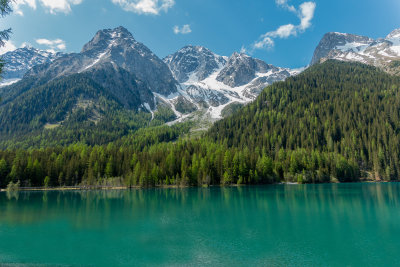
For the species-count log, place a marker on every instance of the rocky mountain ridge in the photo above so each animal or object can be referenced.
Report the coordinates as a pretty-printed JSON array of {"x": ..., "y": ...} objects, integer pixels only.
[
  {"x": 211, "y": 83},
  {"x": 383, "y": 53},
  {"x": 115, "y": 48},
  {"x": 194, "y": 79},
  {"x": 21, "y": 60}
]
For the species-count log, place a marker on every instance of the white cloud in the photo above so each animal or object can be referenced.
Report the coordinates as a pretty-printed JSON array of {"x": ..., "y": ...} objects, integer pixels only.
[
  {"x": 8, "y": 46},
  {"x": 18, "y": 3},
  {"x": 305, "y": 14},
  {"x": 52, "y": 45},
  {"x": 185, "y": 29},
  {"x": 283, "y": 3},
  {"x": 283, "y": 31},
  {"x": 63, "y": 6},
  {"x": 265, "y": 42},
  {"x": 307, "y": 10},
  {"x": 53, "y": 6},
  {"x": 153, "y": 7}
]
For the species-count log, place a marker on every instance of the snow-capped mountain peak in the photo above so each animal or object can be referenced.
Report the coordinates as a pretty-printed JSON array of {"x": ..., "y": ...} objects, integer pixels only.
[
  {"x": 115, "y": 48},
  {"x": 212, "y": 82},
  {"x": 108, "y": 38},
  {"x": 194, "y": 63},
  {"x": 350, "y": 47},
  {"x": 242, "y": 69},
  {"x": 394, "y": 35},
  {"x": 342, "y": 42},
  {"x": 112, "y": 45},
  {"x": 19, "y": 61}
]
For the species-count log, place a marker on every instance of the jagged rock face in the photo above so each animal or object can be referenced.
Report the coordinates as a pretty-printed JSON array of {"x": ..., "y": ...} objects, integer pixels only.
[
  {"x": 124, "y": 51},
  {"x": 214, "y": 82},
  {"x": 119, "y": 48},
  {"x": 340, "y": 41},
  {"x": 393, "y": 35},
  {"x": 257, "y": 85},
  {"x": 194, "y": 62},
  {"x": 241, "y": 69},
  {"x": 124, "y": 86},
  {"x": 382, "y": 53},
  {"x": 208, "y": 96},
  {"x": 19, "y": 61}
]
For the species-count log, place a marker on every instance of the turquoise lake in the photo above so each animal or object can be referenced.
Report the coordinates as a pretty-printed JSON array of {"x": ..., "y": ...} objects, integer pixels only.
[{"x": 295, "y": 225}]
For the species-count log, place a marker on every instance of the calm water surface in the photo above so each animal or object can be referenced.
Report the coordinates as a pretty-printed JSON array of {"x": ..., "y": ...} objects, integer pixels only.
[{"x": 302, "y": 225}]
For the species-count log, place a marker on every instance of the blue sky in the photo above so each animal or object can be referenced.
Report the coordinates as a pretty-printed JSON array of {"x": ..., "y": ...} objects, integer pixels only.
[{"x": 281, "y": 32}]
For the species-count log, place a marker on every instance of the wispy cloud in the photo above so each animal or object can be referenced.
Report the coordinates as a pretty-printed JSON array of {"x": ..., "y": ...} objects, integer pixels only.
[
  {"x": 52, "y": 45},
  {"x": 305, "y": 13},
  {"x": 185, "y": 29},
  {"x": 18, "y": 3},
  {"x": 149, "y": 7},
  {"x": 8, "y": 46},
  {"x": 63, "y": 6},
  {"x": 52, "y": 6},
  {"x": 284, "y": 4}
]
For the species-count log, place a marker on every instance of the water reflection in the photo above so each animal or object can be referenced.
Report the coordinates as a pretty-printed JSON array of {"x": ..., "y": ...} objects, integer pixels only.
[
  {"x": 278, "y": 224},
  {"x": 341, "y": 200}
]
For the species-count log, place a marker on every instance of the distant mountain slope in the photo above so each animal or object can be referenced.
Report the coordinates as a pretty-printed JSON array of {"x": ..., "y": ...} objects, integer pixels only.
[
  {"x": 383, "y": 53},
  {"x": 117, "y": 48},
  {"x": 114, "y": 60},
  {"x": 214, "y": 82},
  {"x": 111, "y": 82},
  {"x": 347, "y": 109},
  {"x": 194, "y": 63},
  {"x": 72, "y": 109},
  {"x": 19, "y": 61}
]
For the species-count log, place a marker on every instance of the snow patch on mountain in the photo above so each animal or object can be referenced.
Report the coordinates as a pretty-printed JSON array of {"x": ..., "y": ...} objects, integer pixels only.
[
  {"x": 212, "y": 82},
  {"x": 8, "y": 82},
  {"x": 95, "y": 61}
]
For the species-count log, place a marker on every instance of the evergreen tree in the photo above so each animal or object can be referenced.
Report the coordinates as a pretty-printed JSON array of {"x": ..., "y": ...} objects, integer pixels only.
[{"x": 5, "y": 9}]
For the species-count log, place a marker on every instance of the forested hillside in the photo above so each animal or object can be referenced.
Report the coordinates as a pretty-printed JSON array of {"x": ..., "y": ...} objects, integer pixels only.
[
  {"x": 347, "y": 109},
  {"x": 334, "y": 122},
  {"x": 73, "y": 109}
]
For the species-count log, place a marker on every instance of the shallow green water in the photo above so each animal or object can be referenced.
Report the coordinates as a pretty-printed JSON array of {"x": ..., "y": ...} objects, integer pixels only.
[{"x": 312, "y": 225}]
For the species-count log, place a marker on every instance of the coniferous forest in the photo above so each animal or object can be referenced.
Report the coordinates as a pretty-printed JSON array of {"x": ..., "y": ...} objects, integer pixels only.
[{"x": 335, "y": 122}]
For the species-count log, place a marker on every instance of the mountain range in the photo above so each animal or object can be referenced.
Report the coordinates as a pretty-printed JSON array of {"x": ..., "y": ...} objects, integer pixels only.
[
  {"x": 192, "y": 79},
  {"x": 115, "y": 76}
]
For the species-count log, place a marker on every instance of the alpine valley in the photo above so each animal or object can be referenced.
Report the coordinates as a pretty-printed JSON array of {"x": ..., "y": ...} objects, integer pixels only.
[
  {"x": 116, "y": 113},
  {"x": 115, "y": 74}
]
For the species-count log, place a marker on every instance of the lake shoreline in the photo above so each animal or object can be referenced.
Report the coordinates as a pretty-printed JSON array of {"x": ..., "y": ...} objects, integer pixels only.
[{"x": 97, "y": 188}]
